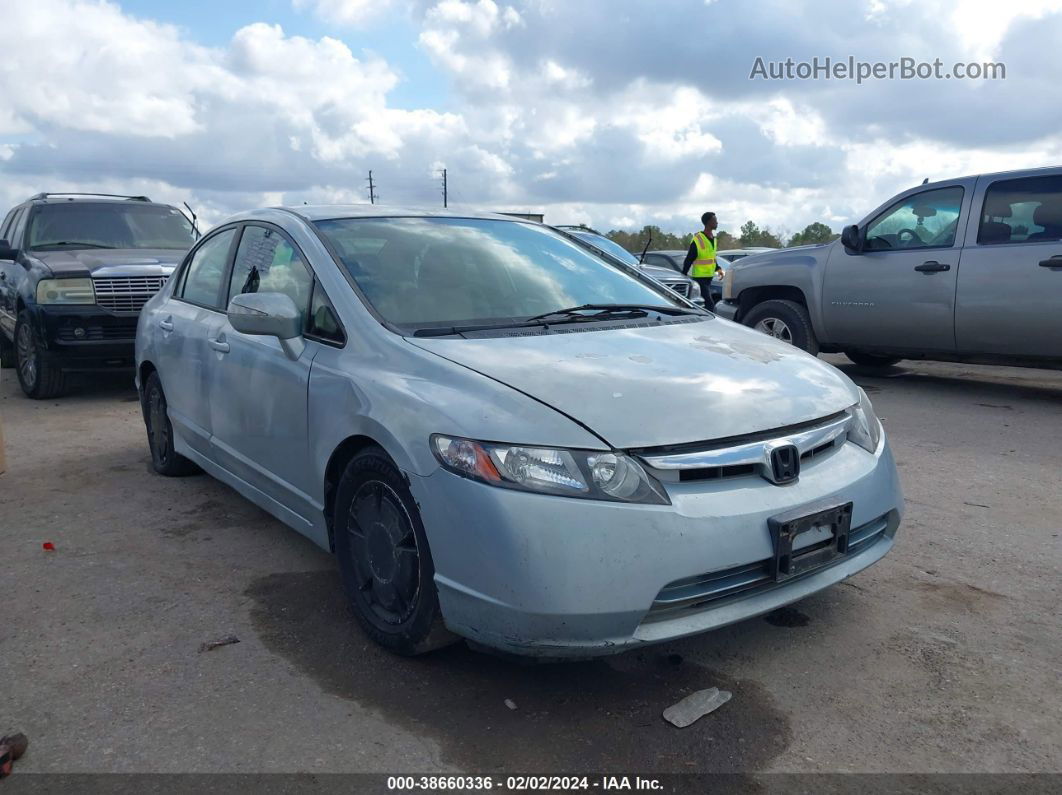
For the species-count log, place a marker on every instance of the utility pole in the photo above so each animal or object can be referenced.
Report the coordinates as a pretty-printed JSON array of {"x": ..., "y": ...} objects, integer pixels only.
[
  {"x": 372, "y": 190},
  {"x": 444, "y": 188}
]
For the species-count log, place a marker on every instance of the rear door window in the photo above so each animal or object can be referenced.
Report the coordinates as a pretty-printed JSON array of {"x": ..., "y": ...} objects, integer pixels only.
[
  {"x": 205, "y": 273},
  {"x": 1021, "y": 211}
]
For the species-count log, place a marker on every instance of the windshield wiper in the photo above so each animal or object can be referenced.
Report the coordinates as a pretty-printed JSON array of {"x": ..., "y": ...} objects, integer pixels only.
[
  {"x": 76, "y": 243},
  {"x": 605, "y": 310}
]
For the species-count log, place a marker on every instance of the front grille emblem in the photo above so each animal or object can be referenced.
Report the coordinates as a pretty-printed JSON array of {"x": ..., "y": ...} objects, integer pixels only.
[{"x": 784, "y": 463}]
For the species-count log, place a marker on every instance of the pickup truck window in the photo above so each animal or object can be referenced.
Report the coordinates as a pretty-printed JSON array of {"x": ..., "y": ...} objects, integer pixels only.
[
  {"x": 1021, "y": 210},
  {"x": 924, "y": 220}
]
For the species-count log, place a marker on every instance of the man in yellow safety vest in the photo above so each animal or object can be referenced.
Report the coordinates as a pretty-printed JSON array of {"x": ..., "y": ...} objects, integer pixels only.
[{"x": 700, "y": 259}]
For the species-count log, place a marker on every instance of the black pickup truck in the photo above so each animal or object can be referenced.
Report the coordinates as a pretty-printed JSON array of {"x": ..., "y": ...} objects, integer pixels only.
[{"x": 75, "y": 270}]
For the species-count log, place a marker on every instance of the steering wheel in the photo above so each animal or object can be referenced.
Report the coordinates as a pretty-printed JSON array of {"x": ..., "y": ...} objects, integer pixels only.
[{"x": 917, "y": 239}]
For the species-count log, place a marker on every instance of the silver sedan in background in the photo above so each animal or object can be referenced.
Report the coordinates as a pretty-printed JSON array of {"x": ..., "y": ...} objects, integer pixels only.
[{"x": 467, "y": 410}]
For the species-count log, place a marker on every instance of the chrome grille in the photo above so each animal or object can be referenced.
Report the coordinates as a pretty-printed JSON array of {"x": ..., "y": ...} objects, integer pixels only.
[
  {"x": 682, "y": 288},
  {"x": 126, "y": 293}
]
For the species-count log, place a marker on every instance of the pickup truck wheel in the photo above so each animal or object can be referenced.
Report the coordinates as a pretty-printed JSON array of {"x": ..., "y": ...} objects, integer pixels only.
[
  {"x": 7, "y": 352},
  {"x": 784, "y": 320},
  {"x": 871, "y": 360},
  {"x": 384, "y": 560},
  {"x": 39, "y": 378},
  {"x": 164, "y": 459}
]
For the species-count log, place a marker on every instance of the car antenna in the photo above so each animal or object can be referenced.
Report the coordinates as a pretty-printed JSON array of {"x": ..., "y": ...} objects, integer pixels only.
[
  {"x": 195, "y": 221},
  {"x": 641, "y": 259},
  {"x": 925, "y": 181}
]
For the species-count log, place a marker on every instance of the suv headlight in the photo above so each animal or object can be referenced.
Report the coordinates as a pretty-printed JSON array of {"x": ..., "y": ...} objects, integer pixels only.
[
  {"x": 65, "y": 291},
  {"x": 588, "y": 474},
  {"x": 864, "y": 428},
  {"x": 728, "y": 284},
  {"x": 695, "y": 289}
]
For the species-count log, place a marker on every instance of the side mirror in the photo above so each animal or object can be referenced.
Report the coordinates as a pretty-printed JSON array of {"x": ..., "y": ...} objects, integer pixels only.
[
  {"x": 268, "y": 315},
  {"x": 6, "y": 252},
  {"x": 851, "y": 239}
]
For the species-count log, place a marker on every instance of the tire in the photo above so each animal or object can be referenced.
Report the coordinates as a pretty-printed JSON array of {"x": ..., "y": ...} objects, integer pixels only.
[
  {"x": 872, "y": 360},
  {"x": 784, "y": 320},
  {"x": 39, "y": 377},
  {"x": 384, "y": 560},
  {"x": 7, "y": 352},
  {"x": 164, "y": 459}
]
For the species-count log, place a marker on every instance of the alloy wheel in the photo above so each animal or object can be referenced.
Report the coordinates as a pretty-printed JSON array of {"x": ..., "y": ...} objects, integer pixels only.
[
  {"x": 385, "y": 554},
  {"x": 775, "y": 327},
  {"x": 26, "y": 358}
]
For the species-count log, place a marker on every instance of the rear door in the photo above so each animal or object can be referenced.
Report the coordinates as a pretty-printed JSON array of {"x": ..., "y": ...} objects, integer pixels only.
[
  {"x": 1009, "y": 299},
  {"x": 188, "y": 325},
  {"x": 258, "y": 406},
  {"x": 899, "y": 292}
]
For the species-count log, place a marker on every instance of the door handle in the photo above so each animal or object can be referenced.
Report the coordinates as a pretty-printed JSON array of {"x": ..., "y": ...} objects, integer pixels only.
[
  {"x": 166, "y": 325},
  {"x": 932, "y": 266},
  {"x": 1053, "y": 262},
  {"x": 220, "y": 346}
]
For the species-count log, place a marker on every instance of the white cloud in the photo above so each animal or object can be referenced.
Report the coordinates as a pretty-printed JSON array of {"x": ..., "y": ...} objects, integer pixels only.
[{"x": 345, "y": 12}]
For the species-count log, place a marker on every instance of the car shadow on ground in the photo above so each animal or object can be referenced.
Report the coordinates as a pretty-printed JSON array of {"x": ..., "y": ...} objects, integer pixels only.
[
  {"x": 596, "y": 716},
  {"x": 987, "y": 384}
]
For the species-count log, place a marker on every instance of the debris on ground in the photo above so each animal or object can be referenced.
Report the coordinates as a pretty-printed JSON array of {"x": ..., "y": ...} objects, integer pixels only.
[
  {"x": 510, "y": 703},
  {"x": 48, "y": 545},
  {"x": 228, "y": 640},
  {"x": 695, "y": 706},
  {"x": 12, "y": 748}
]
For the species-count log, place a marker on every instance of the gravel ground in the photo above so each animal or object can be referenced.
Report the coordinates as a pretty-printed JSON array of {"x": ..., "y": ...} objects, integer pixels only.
[{"x": 945, "y": 657}]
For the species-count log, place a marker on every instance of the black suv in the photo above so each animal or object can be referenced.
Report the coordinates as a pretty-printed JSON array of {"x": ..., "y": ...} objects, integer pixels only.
[{"x": 75, "y": 269}]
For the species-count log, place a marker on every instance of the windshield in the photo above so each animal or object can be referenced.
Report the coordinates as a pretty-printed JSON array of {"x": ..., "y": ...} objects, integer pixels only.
[
  {"x": 437, "y": 272},
  {"x": 608, "y": 246},
  {"x": 109, "y": 225}
]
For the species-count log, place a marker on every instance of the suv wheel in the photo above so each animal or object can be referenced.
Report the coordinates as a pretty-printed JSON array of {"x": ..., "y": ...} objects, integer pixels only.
[
  {"x": 39, "y": 378},
  {"x": 872, "y": 360},
  {"x": 164, "y": 459},
  {"x": 384, "y": 559},
  {"x": 784, "y": 320}
]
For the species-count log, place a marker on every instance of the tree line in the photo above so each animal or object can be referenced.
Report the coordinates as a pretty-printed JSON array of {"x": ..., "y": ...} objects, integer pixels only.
[{"x": 751, "y": 235}]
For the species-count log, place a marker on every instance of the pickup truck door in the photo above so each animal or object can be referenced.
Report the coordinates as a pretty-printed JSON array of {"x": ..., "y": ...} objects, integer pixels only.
[
  {"x": 1009, "y": 299},
  {"x": 899, "y": 292}
]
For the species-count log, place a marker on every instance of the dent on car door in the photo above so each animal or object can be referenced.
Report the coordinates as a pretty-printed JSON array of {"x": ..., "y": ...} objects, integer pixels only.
[
  {"x": 187, "y": 326},
  {"x": 1009, "y": 297},
  {"x": 258, "y": 408},
  {"x": 899, "y": 292}
]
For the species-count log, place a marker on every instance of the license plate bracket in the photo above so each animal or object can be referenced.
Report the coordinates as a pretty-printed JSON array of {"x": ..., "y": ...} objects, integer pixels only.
[{"x": 790, "y": 559}]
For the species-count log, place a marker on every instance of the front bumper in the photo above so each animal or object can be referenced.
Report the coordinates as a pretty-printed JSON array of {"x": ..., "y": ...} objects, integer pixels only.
[
  {"x": 726, "y": 310},
  {"x": 548, "y": 576},
  {"x": 86, "y": 338}
]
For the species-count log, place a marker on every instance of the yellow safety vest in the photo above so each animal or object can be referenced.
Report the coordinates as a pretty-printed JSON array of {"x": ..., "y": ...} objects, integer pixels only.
[{"x": 704, "y": 266}]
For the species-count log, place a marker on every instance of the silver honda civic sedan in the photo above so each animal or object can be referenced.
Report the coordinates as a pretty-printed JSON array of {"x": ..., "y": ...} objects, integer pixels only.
[{"x": 504, "y": 438}]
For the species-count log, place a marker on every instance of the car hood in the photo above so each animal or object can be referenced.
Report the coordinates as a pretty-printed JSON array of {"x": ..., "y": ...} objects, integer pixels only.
[
  {"x": 660, "y": 272},
  {"x": 111, "y": 262},
  {"x": 661, "y": 385}
]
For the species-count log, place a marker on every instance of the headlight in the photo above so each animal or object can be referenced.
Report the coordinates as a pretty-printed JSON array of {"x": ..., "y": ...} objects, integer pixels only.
[
  {"x": 728, "y": 284},
  {"x": 572, "y": 473},
  {"x": 65, "y": 291},
  {"x": 695, "y": 289},
  {"x": 864, "y": 428}
]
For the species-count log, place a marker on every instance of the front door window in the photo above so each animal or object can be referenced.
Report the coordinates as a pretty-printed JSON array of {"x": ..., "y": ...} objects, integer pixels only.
[{"x": 924, "y": 220}]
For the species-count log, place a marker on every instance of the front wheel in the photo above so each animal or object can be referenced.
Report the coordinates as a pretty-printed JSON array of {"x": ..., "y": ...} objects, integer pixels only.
[
  {"x": 38, "y": 376},
  {"x": 784, "y": 320},
  {"x": 872, "y": 360},
  {"x": 384, "y": 560}
]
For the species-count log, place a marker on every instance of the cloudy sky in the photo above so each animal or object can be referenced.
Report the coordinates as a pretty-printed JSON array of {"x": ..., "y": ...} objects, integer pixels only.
[{"x": 614, "y": 113}]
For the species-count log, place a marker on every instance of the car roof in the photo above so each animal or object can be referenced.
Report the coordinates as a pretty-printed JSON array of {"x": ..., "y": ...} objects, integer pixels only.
[
  {"x": 321, "y": 212},
  {"x": 670, "y": 252}
]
